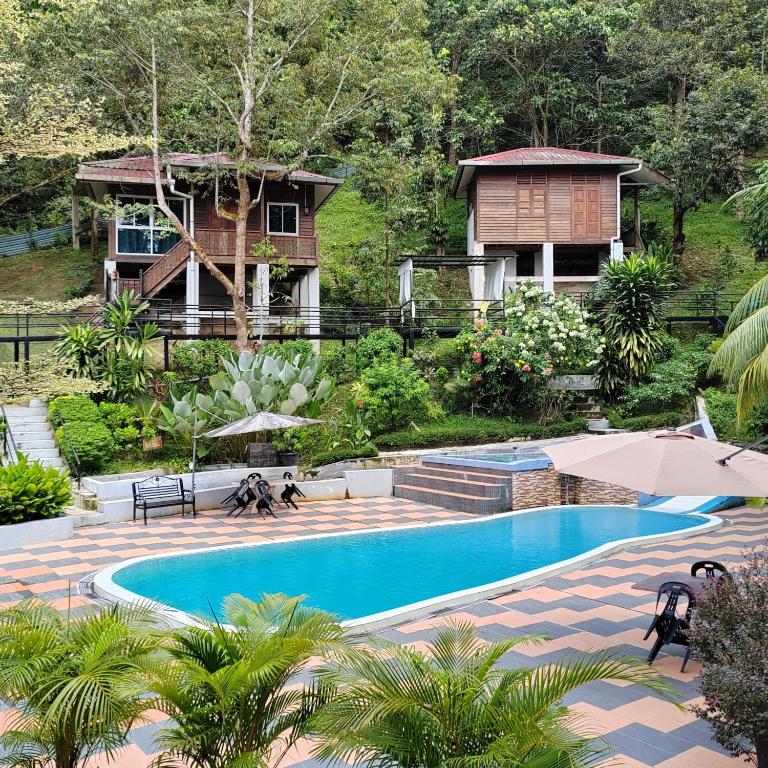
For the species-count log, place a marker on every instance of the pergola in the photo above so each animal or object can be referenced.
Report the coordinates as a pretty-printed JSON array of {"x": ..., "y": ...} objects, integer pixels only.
[{"x": 486, "y": 273}]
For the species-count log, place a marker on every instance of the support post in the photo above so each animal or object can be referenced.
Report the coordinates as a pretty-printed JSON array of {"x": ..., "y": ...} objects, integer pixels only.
[
  {"x": 192, "y": 314},
  {"x": 548, "y": 266},
  {"x": 313, "y": 304},
  {"x": 261, "y": 298},
  {"x": 75, "y": 221}
]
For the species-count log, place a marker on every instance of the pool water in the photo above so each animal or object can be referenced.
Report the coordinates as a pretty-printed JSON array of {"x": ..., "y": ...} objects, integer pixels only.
[
  {"x": 357, "y": 575},
  {"x": 507, "y": 458}
]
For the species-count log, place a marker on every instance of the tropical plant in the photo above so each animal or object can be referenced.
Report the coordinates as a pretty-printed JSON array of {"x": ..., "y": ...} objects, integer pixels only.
[
  {"x": 118, "y": 351},
  {"x": 394, "y": 394},
  {"x": 194, "y": 361},
  {"x": 729, "y": 635},
  {"x": 30, "y": 491},
  {"x": 233, "y": 693},
  {"x": 632, "y": 290},
  {"x": 452, "y": 705},
  {"x": 378, "y": 345},
  {"x": 742, "y": 359},
  {"x": 753, "y": 200},
  {"x": 74, "y": 682}
]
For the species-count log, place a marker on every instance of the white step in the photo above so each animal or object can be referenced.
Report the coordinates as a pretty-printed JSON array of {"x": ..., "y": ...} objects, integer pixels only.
[
  {"x": 29, "y": 426},
  {"x": 42, "y": 453},
  {"x": 58, "y": 462},
  {"x": 19, "y": 422},
  {"x": 28, "y": 443},
  {"x": 13, "y": 411}
]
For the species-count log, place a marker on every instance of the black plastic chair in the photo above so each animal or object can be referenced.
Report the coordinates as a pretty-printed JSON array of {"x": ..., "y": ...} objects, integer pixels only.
[
  {"x": 265, "y": 501},
  {"x": 291, "y": 490},
  {"x": 711, "y": 568},
  {"x": 240, "y": 498},
  {"x": 671, "y": 628}
]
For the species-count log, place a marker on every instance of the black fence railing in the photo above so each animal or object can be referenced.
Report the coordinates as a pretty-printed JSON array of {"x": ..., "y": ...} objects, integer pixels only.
[{"x": 10, "y": 451}]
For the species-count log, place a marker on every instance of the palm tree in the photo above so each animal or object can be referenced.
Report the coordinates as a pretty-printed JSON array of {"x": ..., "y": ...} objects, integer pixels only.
[
  {"x": 232, "y": 690},
  {"x": 742, "y": 360},
  {"x": 74, "y": 682},
  {"x": 452, "y": 706}
]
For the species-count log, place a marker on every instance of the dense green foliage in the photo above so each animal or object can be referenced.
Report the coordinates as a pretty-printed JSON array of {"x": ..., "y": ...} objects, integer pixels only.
[
  {"x": 193, "y": 362},
  {"x": 84, "y": 439},
  {"x": 74, "y": 681},
  {"x": 343, "y": 453},
  {"x": 87, "y": 444},
  {"x": 74, "y": 408},
  {"x": 30, "y": 491},
  {"x": 659, "y": 420},
  {"x": 472, "y": 430},
  {"x": 380, "y": 345},
  {"x": 730, "y": 638}
]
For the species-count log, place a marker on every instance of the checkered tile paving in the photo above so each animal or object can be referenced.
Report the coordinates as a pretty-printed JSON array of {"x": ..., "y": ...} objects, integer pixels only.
[{"x": 591, "y": 608}]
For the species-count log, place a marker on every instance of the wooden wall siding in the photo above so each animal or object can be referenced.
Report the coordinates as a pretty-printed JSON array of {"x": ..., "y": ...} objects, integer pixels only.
[{"x": 544, "y": 206}]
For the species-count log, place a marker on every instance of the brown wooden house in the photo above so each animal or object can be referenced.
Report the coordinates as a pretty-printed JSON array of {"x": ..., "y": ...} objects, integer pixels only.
[
  {"x": 146, "y": 258},
  {"x": 548, "y": 214}
]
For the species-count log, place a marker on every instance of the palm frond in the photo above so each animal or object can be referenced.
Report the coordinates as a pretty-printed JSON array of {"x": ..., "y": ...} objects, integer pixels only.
[{"x": 755, "y": 298}]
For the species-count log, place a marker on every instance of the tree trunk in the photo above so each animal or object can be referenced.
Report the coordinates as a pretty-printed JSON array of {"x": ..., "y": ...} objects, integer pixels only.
[
  {"x": 761, "y": 752},
  {"x": 241, "y": 252},
  {"x": 678, "y": 233}
]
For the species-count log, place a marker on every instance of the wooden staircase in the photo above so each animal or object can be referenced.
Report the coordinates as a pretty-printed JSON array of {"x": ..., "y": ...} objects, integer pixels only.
[{"x": 163, "y": 270}]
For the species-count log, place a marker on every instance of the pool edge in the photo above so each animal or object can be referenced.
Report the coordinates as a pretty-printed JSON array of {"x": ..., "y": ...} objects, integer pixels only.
[{"x": 105, "y": 587}]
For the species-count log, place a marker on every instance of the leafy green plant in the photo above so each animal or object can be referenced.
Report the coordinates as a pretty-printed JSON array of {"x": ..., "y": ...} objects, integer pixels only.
[
  {"x": 232, "y": 693},
  {"x": 292, "y": 348},
  {"x": 729, "y": 636},
  {"x": 74, "y": 408},
  {"x": 117, "y": 352},
  {"x": 74, "y": 682},
  {"x": 343, "y": 453},
  {"x": 378, "y": 346},
  {"x": 193, "y": 362},
  {"x": 394, "y": 393},
  {"x": 290, "y": 440},
  {"x": 43, "y": 379},
  {"x": 452, "y": 704},
  {"x": 90, "y": 440},
  {"x": 650, "y": 421},
  {"x": 631, "y": 291},
  {"x": 337, "y": 365},
  {"x": 30, "y": 491}
]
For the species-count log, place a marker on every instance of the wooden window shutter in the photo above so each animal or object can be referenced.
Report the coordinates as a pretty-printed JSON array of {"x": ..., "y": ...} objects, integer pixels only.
[
  {"x": 578, "y": 207},
  {"x": 593, "y": 211},
  {"x": 524, "y": 201}
]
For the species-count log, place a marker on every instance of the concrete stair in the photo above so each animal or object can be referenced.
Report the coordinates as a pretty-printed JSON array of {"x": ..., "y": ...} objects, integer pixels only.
[
  {"x": 32, "y": 433},
  {"x": 475, "y": 492}
]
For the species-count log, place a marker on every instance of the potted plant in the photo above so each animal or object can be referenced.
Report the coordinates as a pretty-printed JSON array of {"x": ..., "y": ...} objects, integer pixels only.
[{"x": 288, "y": 446}]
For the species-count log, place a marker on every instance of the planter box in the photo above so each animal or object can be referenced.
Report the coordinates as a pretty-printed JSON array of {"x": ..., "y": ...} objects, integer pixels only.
[{"x": 35, "y": 532}]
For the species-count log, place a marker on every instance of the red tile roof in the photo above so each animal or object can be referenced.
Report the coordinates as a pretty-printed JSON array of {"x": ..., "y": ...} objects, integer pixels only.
[{"x": 546, "y": 156}]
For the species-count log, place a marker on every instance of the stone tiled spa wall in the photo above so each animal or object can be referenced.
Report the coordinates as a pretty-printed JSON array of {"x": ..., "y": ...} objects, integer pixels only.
[
  {"x": 584, "y": 491},
  {"x": 535, "y": 488}
]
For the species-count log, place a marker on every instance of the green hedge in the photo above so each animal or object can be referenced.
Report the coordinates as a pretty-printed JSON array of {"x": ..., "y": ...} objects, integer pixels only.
[
  {"x": 91, "y": 440},
  {"x": 74, "y": 408},
  {"x": 468, "y": 430},
  {"x": 343, "y": 454},
  {"x": 30, "y": 491},
  {"x": 650, "y": 421}
]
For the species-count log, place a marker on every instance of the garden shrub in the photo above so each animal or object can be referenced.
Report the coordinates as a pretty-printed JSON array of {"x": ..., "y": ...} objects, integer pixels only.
[
  {"x": 721, "y": 410},
  {"x": 74, "y": 408},
  {"x": 91, "y": 440},
  {"x": 378, "y": 346},
  {"x": 128, "y": 425},
  {"x": 343, "y": 454},
  {"x": 647, "y": 422},
  {"x": 473, "y": 430},
  {"x": 336, "y": 363},
  {"x": 288, "y": 350},
  {"x": 195, "y": 361},
  {"x": 394, "y": 394},
  {"x": 30, "y": 491}
]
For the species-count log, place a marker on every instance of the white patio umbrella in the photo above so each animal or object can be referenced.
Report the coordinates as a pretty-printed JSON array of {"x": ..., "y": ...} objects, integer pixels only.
[
  {"x": 665, "y": 463},
  {"x": 257, "y": 422}
]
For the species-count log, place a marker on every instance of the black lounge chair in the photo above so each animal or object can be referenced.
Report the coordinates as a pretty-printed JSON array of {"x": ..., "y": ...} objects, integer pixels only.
[
  {"x": 672, "y": 629},
  {"x": 291, "y": 490},
  {"x": 711, "y": 568}
]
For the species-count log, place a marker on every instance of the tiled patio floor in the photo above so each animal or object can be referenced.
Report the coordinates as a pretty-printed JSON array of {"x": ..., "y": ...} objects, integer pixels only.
[{"x": 587, "y": 609}]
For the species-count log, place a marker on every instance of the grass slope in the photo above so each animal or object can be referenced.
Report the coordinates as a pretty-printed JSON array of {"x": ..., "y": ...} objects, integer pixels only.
[{"x": 45, "y": 274}]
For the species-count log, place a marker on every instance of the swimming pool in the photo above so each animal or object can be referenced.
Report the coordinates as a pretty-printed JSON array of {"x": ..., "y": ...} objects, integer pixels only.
[{"x": 374, "y": 576}]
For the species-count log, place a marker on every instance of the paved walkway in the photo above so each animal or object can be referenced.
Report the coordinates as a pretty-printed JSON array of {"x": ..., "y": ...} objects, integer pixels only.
[{"x": 587, "y": 609}]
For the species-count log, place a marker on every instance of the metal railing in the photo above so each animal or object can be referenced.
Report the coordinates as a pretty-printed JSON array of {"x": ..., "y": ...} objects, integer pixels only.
[
  {"x": 72, "y": 458},
  {"x": 10, "y": 449}
]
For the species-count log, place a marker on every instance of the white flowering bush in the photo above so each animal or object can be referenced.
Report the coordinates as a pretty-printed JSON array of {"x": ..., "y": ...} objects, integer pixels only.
[
  {"x": 506, "y": 366},
  {"x": 553, "y": 324},
  {"x": 41, "y": 307}
]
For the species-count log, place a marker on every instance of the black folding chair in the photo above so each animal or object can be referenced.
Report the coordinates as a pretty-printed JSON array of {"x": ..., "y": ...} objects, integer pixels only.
[
  {"x": 671, "y": 628},
  {"x": 291, "y": 490},
  {"x": 712, "y": 570}
]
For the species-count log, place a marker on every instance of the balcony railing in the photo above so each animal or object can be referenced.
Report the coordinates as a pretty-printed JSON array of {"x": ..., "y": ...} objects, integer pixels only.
[{"x": 218, "y": 242}]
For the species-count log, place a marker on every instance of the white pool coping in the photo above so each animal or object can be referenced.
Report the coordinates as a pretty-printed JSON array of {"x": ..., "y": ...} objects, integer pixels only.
[{"x": 105, "y": 587}]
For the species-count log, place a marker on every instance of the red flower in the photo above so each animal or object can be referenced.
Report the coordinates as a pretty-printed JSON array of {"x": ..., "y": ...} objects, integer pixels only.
[
  {"x": 359, "y": 405},
  {"x": 527, "y": 368},
  {"x": 498, "y": 331},
  {"x": 478, "y": 379},
  {"x": 477, "y": 357}
]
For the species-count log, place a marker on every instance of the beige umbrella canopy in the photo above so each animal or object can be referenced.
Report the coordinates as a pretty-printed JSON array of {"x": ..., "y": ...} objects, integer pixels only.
[
  {"x": 259, "y": 422},
  {"x": 664, "y": 464}
]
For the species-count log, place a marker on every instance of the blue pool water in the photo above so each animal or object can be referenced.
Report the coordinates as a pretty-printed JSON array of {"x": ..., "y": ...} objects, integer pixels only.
[
  {"x": 507, "y": 458},
  {"x": 359, "y": 575}
]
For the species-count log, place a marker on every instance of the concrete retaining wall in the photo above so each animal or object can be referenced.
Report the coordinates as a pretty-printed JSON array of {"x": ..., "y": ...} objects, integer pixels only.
[
  {"x": 35, "y": 532},
  {"x": 368, "y": 483}
]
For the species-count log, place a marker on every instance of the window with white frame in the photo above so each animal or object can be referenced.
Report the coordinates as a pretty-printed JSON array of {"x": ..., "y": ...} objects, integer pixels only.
[
  {"x": 141, "y": 233},
  {"x": 282, "y": 218}
]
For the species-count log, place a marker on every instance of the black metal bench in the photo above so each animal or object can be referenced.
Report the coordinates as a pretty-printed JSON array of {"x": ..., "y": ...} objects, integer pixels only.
[{"x": 157, "y": 492}]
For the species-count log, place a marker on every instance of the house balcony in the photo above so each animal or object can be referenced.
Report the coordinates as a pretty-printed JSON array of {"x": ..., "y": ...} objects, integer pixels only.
[{"x": 298, "y": 250}]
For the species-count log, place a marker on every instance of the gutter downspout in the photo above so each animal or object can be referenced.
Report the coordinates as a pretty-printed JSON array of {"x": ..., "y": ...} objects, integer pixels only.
[{"x": 617, "y": 239}]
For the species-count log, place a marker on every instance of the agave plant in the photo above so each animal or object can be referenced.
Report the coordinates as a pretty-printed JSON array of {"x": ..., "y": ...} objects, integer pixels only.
[
  {"x": 452, "y": 705},
  {"x": 75, "y": 683}
]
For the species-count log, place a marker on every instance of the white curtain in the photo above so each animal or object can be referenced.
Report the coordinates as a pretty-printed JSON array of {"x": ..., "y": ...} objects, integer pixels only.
[
  {"x": 405, "y": 273},
  {"x": 494, "y": 280}
]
